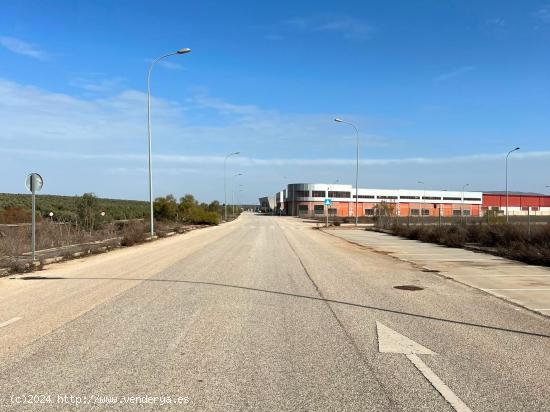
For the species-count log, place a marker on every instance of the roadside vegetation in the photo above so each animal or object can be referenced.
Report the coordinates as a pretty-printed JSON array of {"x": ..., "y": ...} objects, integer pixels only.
[
  {"x": 16, "y": 208},
  {"x": 508, "y": 240},
  {"x": 80, "y": 220}
]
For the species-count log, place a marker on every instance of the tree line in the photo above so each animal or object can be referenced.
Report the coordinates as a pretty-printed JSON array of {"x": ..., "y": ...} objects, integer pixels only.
[
  {"x": 86, "y": 210},
  {"x": 188, "y": 210}
]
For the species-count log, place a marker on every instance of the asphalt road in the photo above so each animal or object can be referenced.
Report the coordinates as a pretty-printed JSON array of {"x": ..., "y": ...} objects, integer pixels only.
[{"x": 264, "y": 313}]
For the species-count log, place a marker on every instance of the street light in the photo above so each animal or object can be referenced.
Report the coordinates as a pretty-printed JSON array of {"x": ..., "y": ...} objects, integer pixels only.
[
  {"x": 180, "y": 51},
  {"x": 239, "y": 198},
  {"x": 233, "y": 192},
  {"x": 513, "y": 150},
  {"x": 462, "y": 203},
  {"x": 423, "y": 200},
  {"x": 338, "y": 120},
  {"x": 225, "y": 182}
]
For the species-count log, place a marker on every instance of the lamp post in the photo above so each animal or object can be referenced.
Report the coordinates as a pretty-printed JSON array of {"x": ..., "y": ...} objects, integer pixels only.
[
  {"x": 239, "y": 197},
  {"x": 180, "y": 51},
  {"x": 423, "y": 200},
  {"x": 225, "y": 182},
  {"x": 285, "y": 178},
  {"x": 513, "y": 150},
  {"x": 462, "y": 202},
  {"x": 338, "y": 120},
  {"x": 233, "y": 192}
]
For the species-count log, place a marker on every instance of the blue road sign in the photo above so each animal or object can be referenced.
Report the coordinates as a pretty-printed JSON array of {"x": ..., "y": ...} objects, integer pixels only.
[{"x": 328, "y": 202}]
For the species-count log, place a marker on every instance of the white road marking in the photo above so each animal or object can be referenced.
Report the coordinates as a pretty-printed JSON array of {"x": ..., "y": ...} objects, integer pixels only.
[
  {"x": 453, "y": 260},
  {"x": 432, "y": 254},
  {"x": 438, "y": 384},
  {"x": 541, "y": 309},
  {"x": 9, "y": 322},
  {"x": 389, "y": 341},
  {"x": 512, "y": 276},
  {"x": 534, "y": 290}
]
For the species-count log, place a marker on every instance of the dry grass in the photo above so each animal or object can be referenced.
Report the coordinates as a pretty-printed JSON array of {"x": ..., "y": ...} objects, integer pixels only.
[
  {"x": 511, "y": 241},
  {"x": 16, "y": 240},
  {"x": 133, "y": 233}
]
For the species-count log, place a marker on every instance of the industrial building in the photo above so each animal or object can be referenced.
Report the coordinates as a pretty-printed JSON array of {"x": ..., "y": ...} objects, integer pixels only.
[
  {"x": 267, "y": 204},
  {"x": 519, "y": 204},
  {"x": 308, "y": 199}
]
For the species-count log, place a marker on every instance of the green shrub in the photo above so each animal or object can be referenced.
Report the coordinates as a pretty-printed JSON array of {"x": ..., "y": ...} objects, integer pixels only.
[{"x": 199, "y": 216}]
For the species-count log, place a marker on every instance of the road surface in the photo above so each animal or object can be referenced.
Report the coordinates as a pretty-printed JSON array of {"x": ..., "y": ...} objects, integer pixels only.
[{"x": 263, "y": 313}]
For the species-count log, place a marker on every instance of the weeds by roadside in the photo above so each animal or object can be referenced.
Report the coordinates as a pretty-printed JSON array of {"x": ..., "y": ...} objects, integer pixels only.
[
  {"x": 511, "y": 241},
  {"x": 133, "y": 233}
]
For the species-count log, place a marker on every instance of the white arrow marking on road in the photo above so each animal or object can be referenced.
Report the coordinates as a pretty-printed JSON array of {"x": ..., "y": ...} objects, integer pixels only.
[
  {"x": 389, "y": 341},
  {"x": 8, "y": 322}
]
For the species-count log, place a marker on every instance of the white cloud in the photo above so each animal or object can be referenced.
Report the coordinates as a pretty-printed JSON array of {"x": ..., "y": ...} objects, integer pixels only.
[
  {"x": 543, "y": 14},
  {"x": 349, "y": 27},
  {"x": 495, "y": 22},
  {"x": 30, "y": 114},
  {"x": 21, "y": 47},
  {"x": 225, "y": 107},
  {"x": 452, "y": 74},
  {"x": 259, "y": 162},
  {"x": 99, "y": 144},
  {"x": 97, "y": 83}
]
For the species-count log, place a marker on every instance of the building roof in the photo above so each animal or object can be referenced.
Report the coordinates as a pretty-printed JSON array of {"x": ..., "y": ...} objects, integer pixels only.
[{"x": 510, "y": 193}]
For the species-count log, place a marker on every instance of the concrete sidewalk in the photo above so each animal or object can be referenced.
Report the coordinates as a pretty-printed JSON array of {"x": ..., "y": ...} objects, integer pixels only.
[{"x": 523, "y": 284}]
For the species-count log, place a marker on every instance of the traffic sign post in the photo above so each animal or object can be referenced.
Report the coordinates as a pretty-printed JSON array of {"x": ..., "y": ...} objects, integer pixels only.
[
  {"x": 34, "y": 183},
  {"x": 328, "y": 202}
]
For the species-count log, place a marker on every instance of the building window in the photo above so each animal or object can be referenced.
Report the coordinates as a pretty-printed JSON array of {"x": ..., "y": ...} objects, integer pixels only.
[
  {"x": 369, "y": 212},
  {"x": 339, "y": 194},
  {"x": 452, "y": 198},
  {"x": 303, "y": 209},
  {"x": 410, "y": 197},
  {"x": 318, "y": 193},
  {"x": 472, "y": 199},
  {"x": 415, "y": 212},
  {"x": 302, "y": 193},
  {"x": 431, "y": 198},
  {"x": 332, "y": 212},
  {"x": 425, "y": 212},
  {"x": 466, "y": 213},
  {"x": 534, "y": 208},
  {"x": 456, "y": 212},
  {"x": 319, "y": 209},
  {"x": 364, "y": 196},
  {"x": 387, "y": 197}
]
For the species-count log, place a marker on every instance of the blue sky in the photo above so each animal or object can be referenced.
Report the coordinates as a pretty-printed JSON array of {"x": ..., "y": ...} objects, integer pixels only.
[{"x": 440, "y": 91}]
